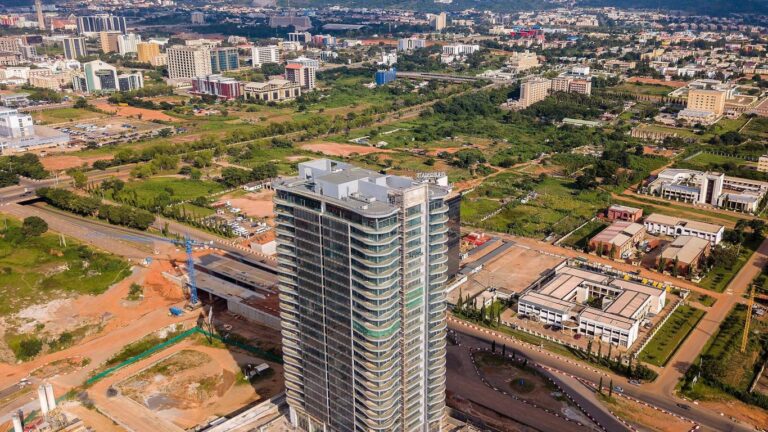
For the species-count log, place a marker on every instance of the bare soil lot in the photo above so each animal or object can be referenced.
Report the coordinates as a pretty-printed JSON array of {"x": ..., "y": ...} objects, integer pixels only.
[{"x": 336, "y": 149}]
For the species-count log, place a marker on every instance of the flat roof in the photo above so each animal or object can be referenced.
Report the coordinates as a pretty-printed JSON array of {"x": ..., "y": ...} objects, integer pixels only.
[
  {"x": 685, "y": 249},
  {"x": 238, "y": 271},
  {"x": 627, "y": 303},
  {"x": 606, "y": 318},
  {"x": 561, "y": 286},
  {"x": 585, "y": 274},
  {"x": 547, "y": 302},
  {"x": 661, "y": 219}
]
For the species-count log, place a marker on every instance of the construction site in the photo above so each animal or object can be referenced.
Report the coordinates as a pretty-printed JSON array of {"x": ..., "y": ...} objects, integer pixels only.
[{"x": 186, "y": 339}]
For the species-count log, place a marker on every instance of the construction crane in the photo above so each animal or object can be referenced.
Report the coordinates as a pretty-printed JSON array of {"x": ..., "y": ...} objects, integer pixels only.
[
  {"x": 748, "y": 320},
  {"x": 187, "y": 243}
]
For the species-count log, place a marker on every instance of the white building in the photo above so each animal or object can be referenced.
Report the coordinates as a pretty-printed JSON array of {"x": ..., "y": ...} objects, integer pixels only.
[
  {"x": 410, "y": 44},
  {"x": 17, "y": 132},
  {"x": 459, "y": 49},
  {"x": 188, "y": 61},
  {"x": 709, "y": 188},
  {"x": 673, "y": 226},
  {"x": 126, "y": 43},
  {"x": 265, "y": 54},
  {"x": 560, "y": 299}
]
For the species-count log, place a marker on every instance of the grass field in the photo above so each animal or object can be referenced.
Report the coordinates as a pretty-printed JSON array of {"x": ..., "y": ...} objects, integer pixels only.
[
  {"x": 62, "y": 115},
  {"x": 38, "y": 269},
  {"x": 720, "y": 276},
  {"x": 704, "y": 160},
  {"x": 557, "y": 209},
  {"x": 580, "y": 238},
  {"x": 178, "y": 189},
  {"x": 643, "y": 89},
  {"x": 671, "y": 335},
  {"x": 723, "y": 347}
]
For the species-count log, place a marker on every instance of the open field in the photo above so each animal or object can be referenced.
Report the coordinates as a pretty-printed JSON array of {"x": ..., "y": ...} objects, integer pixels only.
[
  {"x": 643, "y": 89},
  {"x": 65, "y": 162},
  {"x": 39, "y": 269},
  {"x": 134, "y": 112},
  {"x": 345, "y": 150},
  {"x": 178, "y": 189},
  {"x": 63, "y": 115},
  {"x": 671, "y": 335},
  {"x": 704, "y": 161},
  {"x": 258, "y": 205},
  {"x": 196, "y": 382}
]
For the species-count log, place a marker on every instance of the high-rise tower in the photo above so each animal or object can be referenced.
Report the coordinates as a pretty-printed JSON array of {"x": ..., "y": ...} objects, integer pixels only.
[
  {"x": 40, "y": 17},
  {"x": 362, "y": 259}
]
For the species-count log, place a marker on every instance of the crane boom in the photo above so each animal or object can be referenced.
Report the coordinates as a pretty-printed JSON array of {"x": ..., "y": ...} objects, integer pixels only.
[
  {"x": 188, "y": 243},
  {"x": 748, "y": 320}
]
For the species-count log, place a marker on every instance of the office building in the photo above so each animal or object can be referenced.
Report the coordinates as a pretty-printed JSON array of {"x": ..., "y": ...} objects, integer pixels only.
[
  {"x": 684, "y": 255},
  {"x": 128, "y": 43},
  {"x": 617, "y": 212},
  {"x": 18, "y": 132},
  {"x": 188, "y": 62},
  {"x": 224, "y": 59},
  {"x": 561, "y": 297},
  {"x": 147, "y": 51},
  {"x": 301, "y": 75},
  {"x": 460, "y": 49},
  {"x": 533, "y": 90},
  {"x": 97, "y": 76},
  {"x": 265, "y": 54},
  {"x": 101, "y": 23},
  {"x": 304, "y": 61},
  {"x": 224, "y": 88},
  {"x": 28, "y": 52},
  {"x": 522, "y": 61},
  {"x": 10, "y": 44},
  {"x": 130, "y": 81},
  {"x": 708, "y": 188},
  {"x": 300, "y": 37},
  {"x": 385, "y": 76},
  {"x": 707, "y": 100},
  {"x": 198, "y": 18},
  {"x": 659, "y": 224},
  {"x": 108, "y": 41},
  {"x": 440, "y": 21},
  {"x": 362, "y": 272},
  {"x": 762, "y": 163},
  {"x": 274, "y": 90},
  {"x": 410, "y": 44}
]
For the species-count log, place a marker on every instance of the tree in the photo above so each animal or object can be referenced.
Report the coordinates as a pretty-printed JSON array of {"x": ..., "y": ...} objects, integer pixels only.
[
  {"x": 610, "y": 388},
  {"x": 493, "y": 346},
  {"x": 600, "y": 386},
  {"x": 81, "y": 103},
  {"x": 504, "y": 350},
  {"x": 80, "y": 179},
  {"x": 34, "y": 226}
]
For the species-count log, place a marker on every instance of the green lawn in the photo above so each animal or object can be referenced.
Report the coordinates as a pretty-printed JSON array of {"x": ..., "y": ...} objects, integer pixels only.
[
  {"x": 61, "y": 115},
  {"x": 643, "y": 89},
  {"x": 724, "y": 348},
  {"x": 38, "y": 269},
  {"x": 671, "y": 335},
  {"x": 704, "y": 160},
  {"x": 580, "y": 238},
  {"x": 177, "y": 188},
  {"x": 719, "y": 277}
]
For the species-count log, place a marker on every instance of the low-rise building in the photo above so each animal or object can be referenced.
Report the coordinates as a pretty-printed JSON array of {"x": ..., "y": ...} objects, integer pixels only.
[
  {"x": 18, "y": 133},
  {"x": 563, "y": 298},
  {"x": 762, "y": 163},
  {"x": 274, "y": 90},
  {"x": 618, "y": 239},
  {"x": 624, "y": 213},
  {"x": 674, "y": 226},
  {"x": 684, "y": 255},
  {"x": 216, "y": 85}
]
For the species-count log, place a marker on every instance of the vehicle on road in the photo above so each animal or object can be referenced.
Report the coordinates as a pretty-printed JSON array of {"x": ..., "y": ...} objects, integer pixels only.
[
  {"x": 618, "y": 389},
  {"x": 635, "y": 382},
  {"x": 684, "y": 406}
]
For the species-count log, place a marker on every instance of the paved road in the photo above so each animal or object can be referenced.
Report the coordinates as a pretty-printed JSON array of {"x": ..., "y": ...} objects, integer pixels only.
[
  {"x": 689, "y": 350},
  {"x": 709, "y": 420},
  {"x": 577, "y": 391},
  {"x": 462, "y": 380}
]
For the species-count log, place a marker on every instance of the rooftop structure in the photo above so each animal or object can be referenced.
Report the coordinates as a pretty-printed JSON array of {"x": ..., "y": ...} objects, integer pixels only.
[
  {"x": 674, "y": 226},
  {"x": 618, "y": 239},
  {"x": 563, "y": 297}
]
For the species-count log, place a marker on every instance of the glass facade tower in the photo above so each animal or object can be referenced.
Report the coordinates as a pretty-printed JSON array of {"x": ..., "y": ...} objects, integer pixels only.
[{"x": 363, "y": 265}]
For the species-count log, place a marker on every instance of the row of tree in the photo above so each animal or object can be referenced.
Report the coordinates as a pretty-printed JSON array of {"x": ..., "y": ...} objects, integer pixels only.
[{"x": 92, "y": 206}]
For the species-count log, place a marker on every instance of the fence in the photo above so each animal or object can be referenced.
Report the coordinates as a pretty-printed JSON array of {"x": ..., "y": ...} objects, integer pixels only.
[
  {"x": 656, "y": 329},
  {"x": 179, "y": 337}
]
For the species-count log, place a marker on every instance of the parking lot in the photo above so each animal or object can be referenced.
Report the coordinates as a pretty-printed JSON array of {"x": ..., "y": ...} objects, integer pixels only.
[{"x": 108, "y": 130}]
